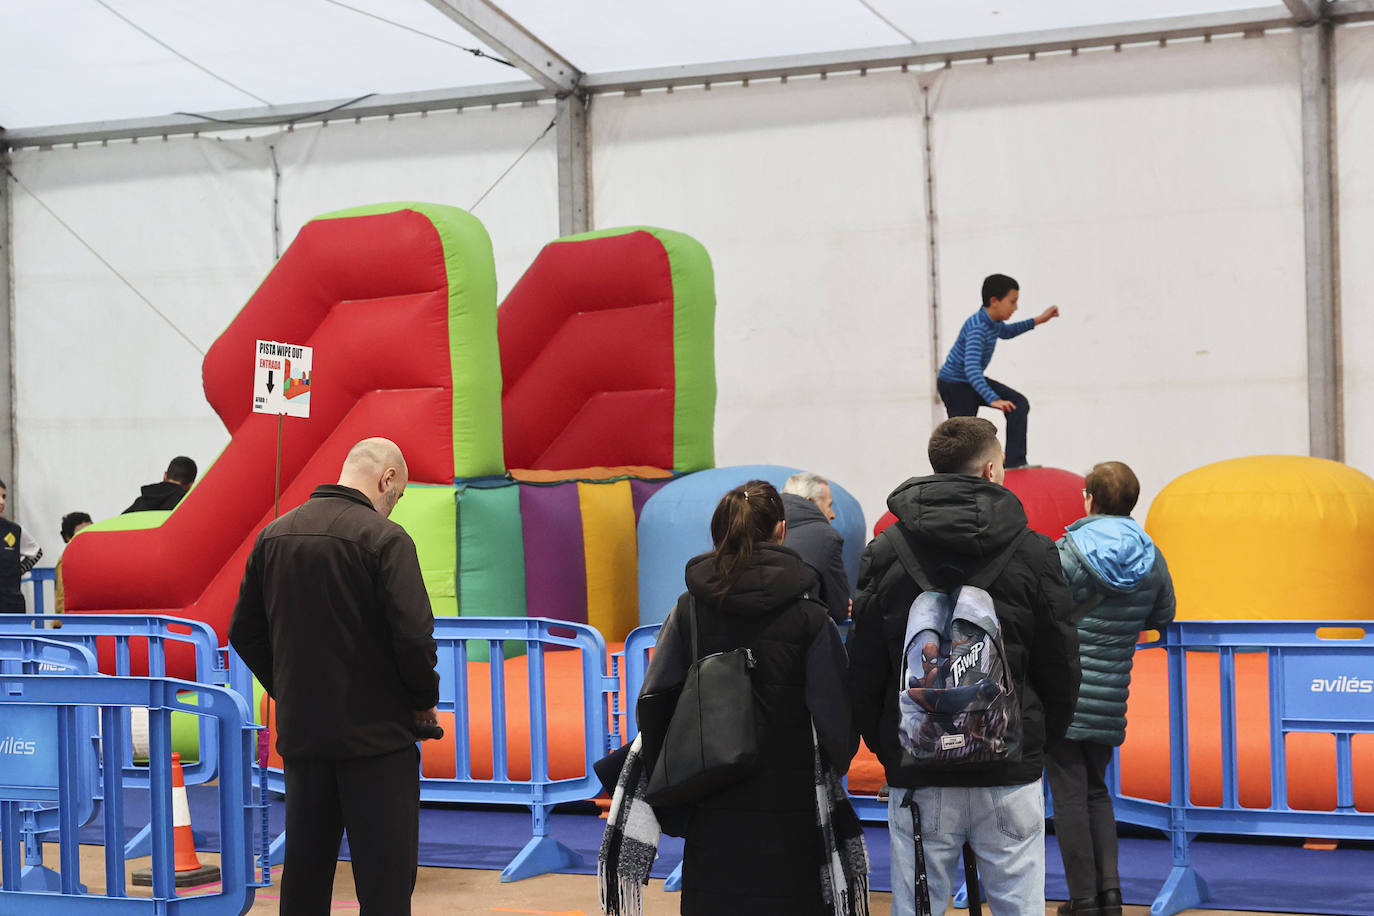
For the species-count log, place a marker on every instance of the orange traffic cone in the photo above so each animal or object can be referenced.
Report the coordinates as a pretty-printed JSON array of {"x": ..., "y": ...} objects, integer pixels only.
[{"x": 189, "y": 871}]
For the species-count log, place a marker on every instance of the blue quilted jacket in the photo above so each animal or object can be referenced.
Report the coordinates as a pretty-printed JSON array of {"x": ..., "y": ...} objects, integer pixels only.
[{"x": 1113, "y": 556}]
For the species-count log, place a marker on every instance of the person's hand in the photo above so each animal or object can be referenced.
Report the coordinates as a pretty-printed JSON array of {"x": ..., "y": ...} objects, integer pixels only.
[
  {"x": 1047, "y": 314},
  {"x": 1004, "y": 406},
  {"x": 425, "y": 724}
]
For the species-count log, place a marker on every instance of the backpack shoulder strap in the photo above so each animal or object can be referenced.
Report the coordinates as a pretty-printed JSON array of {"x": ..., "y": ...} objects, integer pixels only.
[
  {"x": 907, "y": 557},
  {"x": 989, "y": 573}
]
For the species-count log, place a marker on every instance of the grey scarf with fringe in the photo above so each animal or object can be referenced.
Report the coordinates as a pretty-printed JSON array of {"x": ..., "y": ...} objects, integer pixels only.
[{"x": 630, "y": 843}]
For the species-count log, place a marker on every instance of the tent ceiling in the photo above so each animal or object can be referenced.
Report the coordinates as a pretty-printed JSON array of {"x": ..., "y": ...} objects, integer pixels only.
[{"x": 74, "y": 61}]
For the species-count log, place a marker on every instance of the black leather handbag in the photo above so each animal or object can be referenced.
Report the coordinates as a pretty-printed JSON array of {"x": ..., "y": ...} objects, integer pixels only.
[{"x": 710, "y": 742}]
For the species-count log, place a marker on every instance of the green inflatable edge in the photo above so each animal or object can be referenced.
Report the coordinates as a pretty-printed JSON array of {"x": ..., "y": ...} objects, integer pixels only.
[
  {"x": 694, "y": 343},
  {"x": 474, "y": 354}
]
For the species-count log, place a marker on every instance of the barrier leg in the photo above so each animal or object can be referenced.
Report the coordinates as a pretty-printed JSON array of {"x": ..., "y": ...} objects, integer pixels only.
[
  {"x": 673, "y": 883},
  {"x": 541, "y": 855},
  {"x": 1182, "y": 890},
  {"x": 961, "y": 895},
  {"x": 142, "y": 842},
  {"x": 35, "y": 876}
]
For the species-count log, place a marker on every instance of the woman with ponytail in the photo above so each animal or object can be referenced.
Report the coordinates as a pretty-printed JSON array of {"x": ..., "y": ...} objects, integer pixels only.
[{"x": 779, "y": 842}]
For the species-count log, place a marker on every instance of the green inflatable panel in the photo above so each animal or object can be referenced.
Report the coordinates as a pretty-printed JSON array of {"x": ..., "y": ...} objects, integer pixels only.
[
  {"x": 491, "y": 558},
  {"x": 428, "y": 513}
]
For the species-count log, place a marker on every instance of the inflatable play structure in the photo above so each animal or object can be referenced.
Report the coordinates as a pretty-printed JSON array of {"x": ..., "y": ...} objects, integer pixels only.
[
  {"x": 534, "y": 433},
  {"x": 560, "y": 451}
]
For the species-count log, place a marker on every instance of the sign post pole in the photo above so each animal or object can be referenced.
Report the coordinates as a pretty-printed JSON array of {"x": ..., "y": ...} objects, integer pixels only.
[
  {"x": 281, "y": 385},
  {"x": 276, "y": 490}
]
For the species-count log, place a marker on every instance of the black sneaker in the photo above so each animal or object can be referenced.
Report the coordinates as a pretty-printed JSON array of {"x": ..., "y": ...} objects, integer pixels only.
[
  {"x": 1109, "y": 902},
  {"x": 1081, "y": 906}
]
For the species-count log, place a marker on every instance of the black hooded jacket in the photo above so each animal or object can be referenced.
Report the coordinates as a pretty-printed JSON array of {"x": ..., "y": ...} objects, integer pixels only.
[
  {"x": 755, "y": 847},
  {"x": 165, "y": 494},
  {"x": 955, "y": 524}
]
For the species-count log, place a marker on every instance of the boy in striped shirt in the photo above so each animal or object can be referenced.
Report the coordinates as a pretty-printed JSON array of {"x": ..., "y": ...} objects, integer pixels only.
[{"x": 961, "y": 383}]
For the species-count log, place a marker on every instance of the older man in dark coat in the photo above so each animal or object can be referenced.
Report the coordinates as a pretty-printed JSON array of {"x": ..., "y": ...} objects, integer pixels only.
[{"x": 810, "y": 507}]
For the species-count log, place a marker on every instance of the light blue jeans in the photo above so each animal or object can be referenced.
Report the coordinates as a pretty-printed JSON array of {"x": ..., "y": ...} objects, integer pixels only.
[{"x": 1004, "y": 824}]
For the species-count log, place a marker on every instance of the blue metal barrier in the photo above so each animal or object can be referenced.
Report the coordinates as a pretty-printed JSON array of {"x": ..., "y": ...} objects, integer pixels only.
[
  {"x": 1316, "y": 684},
  {"x": 455, "y": 636},
  {"x": 44, "y": 582},
  {"x": 54, "y": 763},
  {"x": 37, "y": 655},
  {"x": 153, "y": 632},
  {"x": 458, "y": 639}
]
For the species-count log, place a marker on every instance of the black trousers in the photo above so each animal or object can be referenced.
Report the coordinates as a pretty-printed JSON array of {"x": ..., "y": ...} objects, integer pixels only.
[
  {"x": 375, "y": 799},
  {"x": 1084, "y": 823},
  {"x": 962, "y": 401}
]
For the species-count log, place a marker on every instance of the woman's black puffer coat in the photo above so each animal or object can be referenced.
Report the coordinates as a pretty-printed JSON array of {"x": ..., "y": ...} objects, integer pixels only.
[{"x": 755, "y": 847}]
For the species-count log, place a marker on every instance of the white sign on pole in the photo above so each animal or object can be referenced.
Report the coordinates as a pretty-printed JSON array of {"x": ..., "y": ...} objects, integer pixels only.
[{"x": 281, "y": 379}]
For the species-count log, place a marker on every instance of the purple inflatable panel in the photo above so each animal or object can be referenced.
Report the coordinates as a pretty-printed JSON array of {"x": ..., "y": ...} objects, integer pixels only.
[{"x": 555, "y": 567}]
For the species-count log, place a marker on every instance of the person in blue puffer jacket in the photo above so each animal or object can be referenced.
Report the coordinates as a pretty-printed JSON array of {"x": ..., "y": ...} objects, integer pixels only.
[{"x": 1121, "y": 586}]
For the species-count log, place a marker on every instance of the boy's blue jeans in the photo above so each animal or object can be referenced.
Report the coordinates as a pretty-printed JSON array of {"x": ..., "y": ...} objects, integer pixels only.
[
  {"x": 962, "y": 401},
  {"x": 1004, "y": 824}
]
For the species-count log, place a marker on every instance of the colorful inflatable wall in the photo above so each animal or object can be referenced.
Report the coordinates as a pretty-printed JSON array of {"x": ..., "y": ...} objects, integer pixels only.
[{"x": 534, "y": 432}]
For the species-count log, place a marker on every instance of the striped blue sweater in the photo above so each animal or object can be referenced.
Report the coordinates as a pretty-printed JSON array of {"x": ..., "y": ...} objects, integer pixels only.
[{"x": 972, "y": 352}]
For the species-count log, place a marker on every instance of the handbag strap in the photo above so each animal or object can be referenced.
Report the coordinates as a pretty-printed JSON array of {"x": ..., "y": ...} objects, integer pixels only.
[{"x": 692, "y": 626}]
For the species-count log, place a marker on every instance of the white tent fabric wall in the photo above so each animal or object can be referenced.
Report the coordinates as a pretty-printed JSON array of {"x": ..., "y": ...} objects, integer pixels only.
[
  {"x": 1155, "y": 195},
  {"x": 809, "y": 197},
  {"x": 442, "y": 158},
  {"x": 1354, "y": 89},
  {"x": 106, "y": 391}
]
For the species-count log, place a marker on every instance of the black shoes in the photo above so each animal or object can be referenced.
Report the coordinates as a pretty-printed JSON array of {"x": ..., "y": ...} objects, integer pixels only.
[{"x": 1107, "y": 903}]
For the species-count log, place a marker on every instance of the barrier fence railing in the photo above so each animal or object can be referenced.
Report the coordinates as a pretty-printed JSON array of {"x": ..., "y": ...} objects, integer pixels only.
[
  {"x": 56, "y": 763},
  {"x": 465, "y": 676},
  {"x": 1320, "y": 679},
  {"x": 26, "y": 654},
  {"x": 461, "y": 640},
  {"x": 41, "y": 584},
  {"x": 477, "y": 697},
  {"x": 147, "y": 638}
]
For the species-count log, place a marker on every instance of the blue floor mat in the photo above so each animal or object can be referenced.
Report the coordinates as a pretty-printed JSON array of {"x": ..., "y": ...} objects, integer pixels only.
[{"x": 1259, "y": 875}]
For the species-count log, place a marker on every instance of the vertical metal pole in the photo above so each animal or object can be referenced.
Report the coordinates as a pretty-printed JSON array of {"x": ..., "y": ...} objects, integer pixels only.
[
  {"x": 1325, "y": 425},
  {"x": 276, "y": 488},
  {"x": 8, "y": 443},
  {"x": 574, "y": 164},
  {"x": 276, "y": 204},
  {"x": 937, "y": 413}
]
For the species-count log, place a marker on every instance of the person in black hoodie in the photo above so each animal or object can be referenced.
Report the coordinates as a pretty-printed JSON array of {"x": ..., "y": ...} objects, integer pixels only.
[
  {"x": 166, "y": 493},
  {"x": 755, "y": 847},
  {"x": 955, "y": 522}
]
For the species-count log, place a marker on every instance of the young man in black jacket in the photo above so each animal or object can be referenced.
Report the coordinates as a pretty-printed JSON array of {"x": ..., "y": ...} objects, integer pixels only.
[
  {"x": 334, "y": 620},
  {"x": 166, "y": 493},
  {"x": 955, "y": 522}
]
